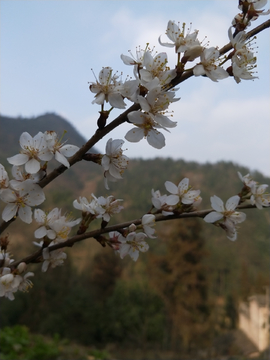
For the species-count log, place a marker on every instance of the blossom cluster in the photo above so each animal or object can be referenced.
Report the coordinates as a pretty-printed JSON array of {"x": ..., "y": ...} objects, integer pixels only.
[
  {"x": 13, "y": 280},
  {"x": 153, "y": 92},
  {"x": 153, "y": 77},
  {"x": 226, "y": 216},
  {"x": 182, "y": 198},
  {"x": 97, "y": 208},
  {"x": 54, "y": 228},
  {"x": 23, "y": 192},
  {"x": 130, "y": 242}
]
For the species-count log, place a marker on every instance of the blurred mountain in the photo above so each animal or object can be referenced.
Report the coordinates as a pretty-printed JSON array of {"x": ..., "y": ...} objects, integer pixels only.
[
  {"x": 189, "y": 260},
  {"x": 11, "y": 129}
]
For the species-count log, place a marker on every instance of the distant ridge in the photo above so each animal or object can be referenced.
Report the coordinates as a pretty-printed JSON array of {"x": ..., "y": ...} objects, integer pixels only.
[{"x": 11, "y": 128}]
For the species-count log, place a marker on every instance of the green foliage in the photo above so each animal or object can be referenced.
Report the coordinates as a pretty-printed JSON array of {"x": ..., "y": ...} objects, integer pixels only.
[
  {"x": 17, "y": 343},
  {"x": 135, "y": 314},
  {"x": 171, "y": 290}
]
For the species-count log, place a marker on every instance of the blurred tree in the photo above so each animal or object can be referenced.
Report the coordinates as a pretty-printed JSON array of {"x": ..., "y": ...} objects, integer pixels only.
[{"x": 179, "y": 277}]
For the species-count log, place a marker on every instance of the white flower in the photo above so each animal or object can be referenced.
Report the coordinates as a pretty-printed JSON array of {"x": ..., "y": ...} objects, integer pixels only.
[
  {"x": 228, "y": 214},
  {"x": 155, "y": 104},
  {"x": 156, "y": 67},
  {"x": 243, "y": 63},
  {"x": 54, "y": 225},
  {"x": 45, "y": 220},
  {"x": 254, "y": 11},
  {"x": 108, "y": 89},
  {"x": 9, "y": 283},
  {"x": 25, "y": 283},
  {"x": 182, "y": 192},
  {"x": 160, "y": 202},
  {"x": 178, "y": 38},
  {"x": 5, "y": 259},
  {"x": 34, "y": 149},
  {"x": 52, "y": 258},
  {"x": 148, "y": 221},
  {"x": 136, "y": 61},
  {"x": 110, "y": 205},
  {"x": 229, "y": 226},
  {"x": 20, "y": 200},
  {"x": 60, "y": 151},
  {"x": 4, "y": 179},
  {"x": 92, "y": 207},
  {"x": 145, "y": 128},
  {"x": 208, "y": 65},
  {"x": 113, "y": 162},
  {"x": 132, "y": 244},
  {"x": 20, "y": 175},
  {"x": 246, "y": 180},
  {"x": 259, "y": 197},
  {"x": 243, "y": 60},
  {"x": 113, "y": 238}
]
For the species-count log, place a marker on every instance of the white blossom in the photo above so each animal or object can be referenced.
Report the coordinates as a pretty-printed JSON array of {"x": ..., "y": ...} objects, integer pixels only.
[
  {"x": 20, "y": 199},
  {"x": 181, "y": 193},
  {"x": 162, "y": 203},
  {"x": 91, "y": 206},
  {"x": 34, "y": 150},
  {"x": 145, "y": 128},
  {"x": 208, "y": 65},
  {"x": 243, "y": 60},
  {"x": 52, "y": 258},
  {"x": 114, "y": 162},
  {"x": 20, "y": 175},
  {"x": 254, "y": 10},
  {"x": 108, "y": 89},
  {"x": 246, "y": 180},
  {"x": 180, "y": 41},
  {"x": 12, "y": 282},
  {"x": 54, "y": 225},
  {"x": 60, "y": 151},
  {"x": 110, "y": 205},
  {"x": 132, "y": 244},
  {"x": 156, "y": 67},
  {"x": 148, "y": 222},
  {"x": 155, "y": 104},
  {"x": 259, "y": 197},
  {"x": 226, "y": 213},
  {"x": 4, "y": 179}
]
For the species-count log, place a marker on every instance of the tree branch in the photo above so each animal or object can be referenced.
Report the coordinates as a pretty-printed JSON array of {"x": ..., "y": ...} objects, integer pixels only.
[{"x": 95, "y": 233}]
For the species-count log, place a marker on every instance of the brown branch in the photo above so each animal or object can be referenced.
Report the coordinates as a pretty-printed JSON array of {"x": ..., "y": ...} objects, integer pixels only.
[
  {"x": 95, "y": 233},
  {"x": 100, "y": 133}
]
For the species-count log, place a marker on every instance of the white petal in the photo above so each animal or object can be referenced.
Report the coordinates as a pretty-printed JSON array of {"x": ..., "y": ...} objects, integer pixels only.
[
  {"x": 172, "y": 200},
  {"x": 156, "y": 139},
  {"x": 183, "y": 185},
  {"x": 18, "y": 159},
  {"x": 40, "y": 232},
  {"x": 134, "y": 135},
  {"x": 32, "y": 166},
  {"x": 232, "y": 202},
  {"x": 26, "y": 140},
  {"x": 171, "y": 187},
  {"x": 25, "y": 213},
  {"x": 213, "y": 217},
  {"x": 217, "y": 203},
  {"x": 68, "y": 150},
  {"x": 60, "y": 158},
  {"x": 198, "y": 70},
  {"x": 9, "y": 212},
  {"x": 116, "y": 100}
]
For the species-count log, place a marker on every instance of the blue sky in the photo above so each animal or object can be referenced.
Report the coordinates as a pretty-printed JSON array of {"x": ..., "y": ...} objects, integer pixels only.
[{"x": 48, "y": 49}]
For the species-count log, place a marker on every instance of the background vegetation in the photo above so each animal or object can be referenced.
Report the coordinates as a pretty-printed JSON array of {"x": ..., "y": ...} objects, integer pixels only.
[{"x": 181, "y": 296}]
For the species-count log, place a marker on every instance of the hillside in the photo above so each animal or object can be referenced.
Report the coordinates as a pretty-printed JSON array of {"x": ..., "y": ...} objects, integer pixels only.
[{"x": 189, "y": 260}]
